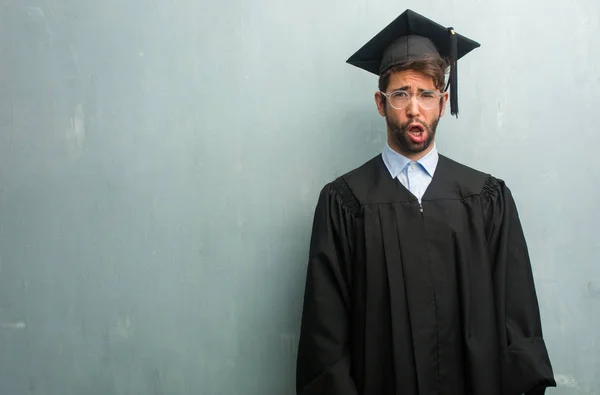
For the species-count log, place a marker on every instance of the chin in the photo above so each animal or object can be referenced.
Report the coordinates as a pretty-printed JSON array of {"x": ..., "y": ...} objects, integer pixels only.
[{"x": 416, "y": 148}]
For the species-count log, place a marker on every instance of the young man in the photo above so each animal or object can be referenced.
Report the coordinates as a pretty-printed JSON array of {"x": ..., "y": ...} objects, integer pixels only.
[{"x": 419, "y": 280}]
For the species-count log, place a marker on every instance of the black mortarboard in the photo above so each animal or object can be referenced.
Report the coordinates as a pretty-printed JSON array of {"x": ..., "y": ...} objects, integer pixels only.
[{"x": 409, "y": 37}]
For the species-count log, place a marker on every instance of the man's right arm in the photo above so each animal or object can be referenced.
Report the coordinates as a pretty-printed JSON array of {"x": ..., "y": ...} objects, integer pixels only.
[{"x": 323, "y": 364}]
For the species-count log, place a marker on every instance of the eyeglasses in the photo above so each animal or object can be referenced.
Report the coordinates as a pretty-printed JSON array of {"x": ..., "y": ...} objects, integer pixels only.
[{"x": 426, "y": 99}]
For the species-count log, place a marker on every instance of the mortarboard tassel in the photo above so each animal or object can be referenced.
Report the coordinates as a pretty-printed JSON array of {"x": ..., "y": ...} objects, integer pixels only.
[{"x": 453, "y": 73}]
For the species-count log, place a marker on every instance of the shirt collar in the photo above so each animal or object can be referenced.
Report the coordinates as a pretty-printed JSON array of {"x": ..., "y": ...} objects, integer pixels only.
[{"x": 396, "y": 162}]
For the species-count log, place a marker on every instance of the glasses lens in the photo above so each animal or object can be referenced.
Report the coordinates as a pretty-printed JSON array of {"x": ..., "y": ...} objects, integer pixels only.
[
  {"x": 399, "y": 99},
  {"x": 428, "y": 100}
]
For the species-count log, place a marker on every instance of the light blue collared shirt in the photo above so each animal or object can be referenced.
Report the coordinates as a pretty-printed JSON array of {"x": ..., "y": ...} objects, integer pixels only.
[{"x": 415, "y": 176}]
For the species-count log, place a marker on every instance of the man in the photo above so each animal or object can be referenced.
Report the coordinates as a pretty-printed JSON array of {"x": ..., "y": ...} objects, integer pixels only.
[{"x": 419, "y": 280}]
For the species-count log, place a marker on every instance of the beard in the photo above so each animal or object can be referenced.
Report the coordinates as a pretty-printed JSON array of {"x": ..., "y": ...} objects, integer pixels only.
[{"x": 399, "y": 134}]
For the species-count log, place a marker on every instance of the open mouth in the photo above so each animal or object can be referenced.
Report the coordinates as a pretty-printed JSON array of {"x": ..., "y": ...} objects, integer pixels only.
[{"x": 416, "y": 132}]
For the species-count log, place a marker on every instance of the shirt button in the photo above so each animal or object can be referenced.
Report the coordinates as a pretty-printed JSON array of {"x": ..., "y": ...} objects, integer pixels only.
[{"x": 412, "y": 166}]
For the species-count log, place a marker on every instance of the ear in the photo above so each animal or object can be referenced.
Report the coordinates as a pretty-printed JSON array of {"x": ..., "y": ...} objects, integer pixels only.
[
  {"x": 443, "y": 104},
  {"x": 379, "y": 100}
]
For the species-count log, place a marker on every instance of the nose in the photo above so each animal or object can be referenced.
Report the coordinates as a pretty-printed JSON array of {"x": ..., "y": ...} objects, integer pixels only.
[{"x": 412, "y": 109}]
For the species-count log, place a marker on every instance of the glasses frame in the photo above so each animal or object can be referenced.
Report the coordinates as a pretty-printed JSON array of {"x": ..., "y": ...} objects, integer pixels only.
[{"x": 410, "y": 96}]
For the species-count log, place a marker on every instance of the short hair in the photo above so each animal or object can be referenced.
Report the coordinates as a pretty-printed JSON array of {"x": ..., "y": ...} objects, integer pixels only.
[{"x": 434, "y": 67}]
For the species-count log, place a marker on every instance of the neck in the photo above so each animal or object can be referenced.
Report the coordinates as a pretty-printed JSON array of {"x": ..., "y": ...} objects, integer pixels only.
[{"x": 413, "y": 156}]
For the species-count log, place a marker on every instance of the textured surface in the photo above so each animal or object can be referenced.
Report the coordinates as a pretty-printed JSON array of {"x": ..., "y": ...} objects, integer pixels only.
[{"x": 160, "y": 162}]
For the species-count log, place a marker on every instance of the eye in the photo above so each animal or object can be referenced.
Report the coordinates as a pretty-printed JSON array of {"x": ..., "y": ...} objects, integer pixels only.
[
  {"x": 428, "y": 95},
  {"x": 400, "y": 94}
]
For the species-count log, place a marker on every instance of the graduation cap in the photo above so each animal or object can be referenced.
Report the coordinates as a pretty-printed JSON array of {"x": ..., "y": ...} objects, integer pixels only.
[{"x": 409, "y": 37}]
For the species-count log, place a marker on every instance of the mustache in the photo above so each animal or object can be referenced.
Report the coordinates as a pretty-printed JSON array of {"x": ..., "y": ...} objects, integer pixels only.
[{"x": 425, "y": 125}]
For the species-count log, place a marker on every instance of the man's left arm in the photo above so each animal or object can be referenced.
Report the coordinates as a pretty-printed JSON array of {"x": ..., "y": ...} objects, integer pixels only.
[{"x": 526, "y": 366}]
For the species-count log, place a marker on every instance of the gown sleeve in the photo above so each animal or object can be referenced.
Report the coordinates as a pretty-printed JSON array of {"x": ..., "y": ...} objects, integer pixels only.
[
  {"x": 323, "y": 360},
  {"x": 525, "y": 365}
]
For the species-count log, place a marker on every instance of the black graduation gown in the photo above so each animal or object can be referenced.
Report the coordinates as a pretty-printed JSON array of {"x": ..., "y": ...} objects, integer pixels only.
[{"x": 407, "y": 299}]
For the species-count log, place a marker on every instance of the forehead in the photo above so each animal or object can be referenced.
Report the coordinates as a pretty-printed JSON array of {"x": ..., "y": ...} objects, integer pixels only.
[{"x": 410, "y": 78}]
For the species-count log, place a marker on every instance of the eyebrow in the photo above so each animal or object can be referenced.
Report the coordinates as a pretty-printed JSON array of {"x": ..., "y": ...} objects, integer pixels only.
[{"x": 407, "y": 87}]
